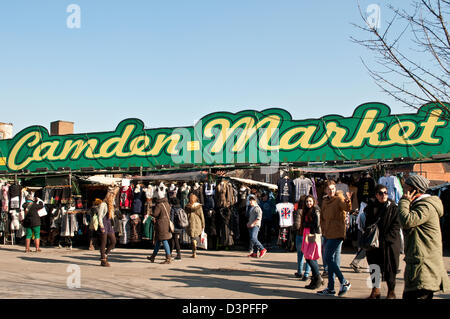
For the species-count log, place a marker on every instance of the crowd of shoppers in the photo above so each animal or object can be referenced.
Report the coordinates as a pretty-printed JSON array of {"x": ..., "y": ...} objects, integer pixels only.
[{"x": 319, "y": 234}]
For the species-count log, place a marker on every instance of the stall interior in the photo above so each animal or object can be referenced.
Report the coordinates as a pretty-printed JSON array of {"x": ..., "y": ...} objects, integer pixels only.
[{"x": 70, "y": 219}]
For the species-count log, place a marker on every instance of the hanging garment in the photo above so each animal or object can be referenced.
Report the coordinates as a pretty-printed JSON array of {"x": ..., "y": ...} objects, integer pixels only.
[
  {"x": 126, "y": 197},
  {"x": 69, "y": 225},
  {"x": 125, "y": 227},
  {"x": 135, "y": 228},
  {"x": 366, "y": 189},
  {"x": 302, "y": 187},
  {"x": 224, "y": 196},
  {"x": 147, "y": 228},
  {"x": 342, "y": 187},
  {"x": 286, "y": 214},
  {"x": 138, "y": 200},
  {"x": 210, "y": 189},
  {"x": 184, "y": 196},
  {"x": 5, "y": 196},
  {"x": 243, "y": 194},
  {"x": 286, "y": 191},
  {"x": 314, "y": 190},
  {"x": 235, "y": 223},
  {"x": 223, "y": 222},
  {"x": 210, "y": 222}
]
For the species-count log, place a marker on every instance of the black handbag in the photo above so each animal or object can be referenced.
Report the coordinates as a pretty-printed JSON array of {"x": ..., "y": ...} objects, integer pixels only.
[{"x": 370, "y": 237}]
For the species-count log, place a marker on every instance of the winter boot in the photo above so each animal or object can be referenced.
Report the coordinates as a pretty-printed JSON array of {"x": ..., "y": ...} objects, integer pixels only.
[
  {"x": 316, "y": 282},
  {"x": 194, "y": 249},
  {"x": 151, "y": 258},
  {"x": 375, "y": 294},
  {"x": 168, "y": 260},
  {"x": 104, "y": 263},
  {"x": 391, "y": 294},
  {"x": 178, "y": 257}
]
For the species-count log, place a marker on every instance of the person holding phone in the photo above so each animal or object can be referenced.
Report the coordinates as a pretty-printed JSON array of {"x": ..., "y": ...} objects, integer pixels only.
[{"x": 419, "y": 215}]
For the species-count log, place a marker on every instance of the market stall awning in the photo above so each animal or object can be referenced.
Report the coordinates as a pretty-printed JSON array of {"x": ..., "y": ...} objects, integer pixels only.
[
  {"x": 333, "y": 169},
  {"x": 179, "y": 176},
  {"x": 252, "y": 182}
]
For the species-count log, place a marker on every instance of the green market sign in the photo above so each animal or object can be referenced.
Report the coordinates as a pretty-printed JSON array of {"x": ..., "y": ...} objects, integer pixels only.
[{"x": 267, "y": 137}]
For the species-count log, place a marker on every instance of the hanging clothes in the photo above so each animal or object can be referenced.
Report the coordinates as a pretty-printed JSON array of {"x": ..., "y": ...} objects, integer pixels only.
[
  {"x": 184, "y": 195},
  {"x": 125, "y": 228},
  {"x": 286, "y": 214},
  {"x": 286, "y": 190},
  {"x": 138, "y": 200},
  {"x": 135, "y": 228},
  {"x": 69, "y": 225},
  {"x": 126, "y": 197},
  {"x": 224, "y": 231},
  {"x": 224, "y": 196},
  {"x": 147, "y": 233},
  {"x": 5, "y": 198},
  {"x": 303, "y": 186}
]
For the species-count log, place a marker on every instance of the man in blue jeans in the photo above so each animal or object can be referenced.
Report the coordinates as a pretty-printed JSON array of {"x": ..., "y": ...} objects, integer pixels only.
[
  {"x": 254, "y": 223},
  {"x": 332, "y": 219}
]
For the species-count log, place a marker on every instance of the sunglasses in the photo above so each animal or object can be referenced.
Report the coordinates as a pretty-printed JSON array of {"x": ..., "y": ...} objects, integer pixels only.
[{"x": 382, "y": 193}]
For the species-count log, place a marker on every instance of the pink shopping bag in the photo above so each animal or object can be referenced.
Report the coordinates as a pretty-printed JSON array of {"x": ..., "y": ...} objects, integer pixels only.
[{"x": 311, "y": 245}]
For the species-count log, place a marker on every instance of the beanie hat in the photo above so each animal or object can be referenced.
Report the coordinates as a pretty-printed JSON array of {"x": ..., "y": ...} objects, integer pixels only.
[{"x": 419, "y": 182}]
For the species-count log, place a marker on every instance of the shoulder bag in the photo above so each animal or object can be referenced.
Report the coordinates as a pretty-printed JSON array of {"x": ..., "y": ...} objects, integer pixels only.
[
  {"x": 370, "y": 236},
  {"x": 171, "y": 225}
]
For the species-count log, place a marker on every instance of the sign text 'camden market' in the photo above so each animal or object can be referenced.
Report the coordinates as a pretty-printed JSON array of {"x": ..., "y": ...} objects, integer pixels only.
[{"x": 267, "y": 137}]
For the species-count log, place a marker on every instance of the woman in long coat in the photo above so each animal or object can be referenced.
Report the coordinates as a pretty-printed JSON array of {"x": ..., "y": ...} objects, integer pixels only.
[
  {"x": 196, "y": 221},
  {"x": 161, "y": 213},
  {"x": 387, "y": 255}
]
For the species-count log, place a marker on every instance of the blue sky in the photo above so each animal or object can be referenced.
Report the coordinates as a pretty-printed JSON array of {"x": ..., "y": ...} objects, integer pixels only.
[{"x": 171, "y": 62}]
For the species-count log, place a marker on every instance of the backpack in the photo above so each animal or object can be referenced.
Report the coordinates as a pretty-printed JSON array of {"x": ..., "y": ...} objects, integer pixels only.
[{"x": 181, "y": 218}]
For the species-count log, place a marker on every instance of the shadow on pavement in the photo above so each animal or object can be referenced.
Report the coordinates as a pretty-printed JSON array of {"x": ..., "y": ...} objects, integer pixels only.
[{"x": 240, "y": 286}]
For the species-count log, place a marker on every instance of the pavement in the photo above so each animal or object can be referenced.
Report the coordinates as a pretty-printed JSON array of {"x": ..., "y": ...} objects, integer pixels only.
[{"x": 223, "y": 274}]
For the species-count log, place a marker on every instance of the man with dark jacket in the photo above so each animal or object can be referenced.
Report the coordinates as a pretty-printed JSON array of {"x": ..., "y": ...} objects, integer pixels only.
[{"x": 419, "y": 215}]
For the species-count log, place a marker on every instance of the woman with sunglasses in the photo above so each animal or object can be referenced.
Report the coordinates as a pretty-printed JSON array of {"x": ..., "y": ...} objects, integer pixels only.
[{"x": 383, "y": 211}]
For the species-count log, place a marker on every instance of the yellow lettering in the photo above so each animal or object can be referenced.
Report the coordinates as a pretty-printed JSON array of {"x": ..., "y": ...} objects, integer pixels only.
[
  {"x": 119, "y": 144},
  {"x": 36, "y": 137},
  {"x": 303, "y": 141},
  {"x": 79, "y": 146},
  {"x": 363, "y": 131},
  {"x": 162, "y": 140},
  {"x": 428, "y": 129},
  {"x": 138, "y": 145}
]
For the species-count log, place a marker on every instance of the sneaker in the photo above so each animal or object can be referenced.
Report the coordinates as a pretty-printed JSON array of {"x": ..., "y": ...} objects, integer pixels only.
[
  {"x": 326, "y": 292},
  {"x": 262, "y": 253},
  {"x": 325, "y": 274},
  {"x": 253, "y": 255},
  {"x": 305, "y": 278},
  {"x": 299, "y": 276},
  {"x": 344, "y": 288},
  {"x": 355, "y": 268}
]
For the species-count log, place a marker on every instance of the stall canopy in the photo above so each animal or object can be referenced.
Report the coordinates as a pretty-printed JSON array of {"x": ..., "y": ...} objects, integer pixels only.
[{"x": 179, "y": 176}]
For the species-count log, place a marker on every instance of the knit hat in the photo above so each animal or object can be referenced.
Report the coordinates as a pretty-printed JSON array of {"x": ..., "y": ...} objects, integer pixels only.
[
  {"x": 419, "y": 182},
  {"x": 252, "y": 197}
]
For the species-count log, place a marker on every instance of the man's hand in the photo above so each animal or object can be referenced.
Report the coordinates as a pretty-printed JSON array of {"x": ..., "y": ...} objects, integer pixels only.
[{"x": 409, "y": 195}]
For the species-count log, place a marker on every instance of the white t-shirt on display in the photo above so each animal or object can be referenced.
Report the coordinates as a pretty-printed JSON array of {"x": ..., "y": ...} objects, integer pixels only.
[{"x": 286, "y": 213}]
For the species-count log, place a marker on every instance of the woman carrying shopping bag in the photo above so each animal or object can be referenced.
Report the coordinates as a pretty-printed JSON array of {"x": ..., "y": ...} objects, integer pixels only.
[{"x": 311, "y": 244}]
